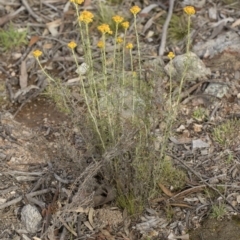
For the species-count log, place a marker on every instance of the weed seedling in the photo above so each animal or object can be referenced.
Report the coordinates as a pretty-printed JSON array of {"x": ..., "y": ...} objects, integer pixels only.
[{"x": 12, "y": 38}]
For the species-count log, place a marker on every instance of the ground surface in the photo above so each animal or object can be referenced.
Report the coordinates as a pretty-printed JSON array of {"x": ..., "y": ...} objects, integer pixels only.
[{"x": 39, "y": 150}]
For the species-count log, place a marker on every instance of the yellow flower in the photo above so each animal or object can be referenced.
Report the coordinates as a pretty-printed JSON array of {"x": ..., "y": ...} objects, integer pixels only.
[
  {"x": 129, "y": 46},
  {"x": 72, "y": 45},
  {"x": 125, "y": 25},
  {"x": 100, "y": 44},
  {"x": 135, "y": 10},
  {"x": 77, "y": 1},
  {"x": 119, "y": 40},
  {"x": 37, "y": 53},
  {"x": 104, "y": 28},
  {"x": 171, "y": 55},
  {"x": 86, "y": 17},
  {"x": 117, "y": 19},
  {"x": 189, "y": 10}
]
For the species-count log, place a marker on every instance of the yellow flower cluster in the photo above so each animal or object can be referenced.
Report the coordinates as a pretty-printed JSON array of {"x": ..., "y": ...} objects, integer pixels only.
[
  {"x": 86, "y": 17},
  {"x": 119, "y": 40},
  {"x": 125, "y": 25},
  {"x": 135, "y": 10},
  {"x": 104, "y": 28},
  {"x": 37, "y": 53},
  {"x": 72, "y": 45},
  {"x": 189, "y": 10},
  {"x": 117, "y": 19},
  {"x": 171, "y": 55},
  {"x": 100, "y": 44},
  {"x": 77, "y": 1},
  {"x": 129, "y": 46}
]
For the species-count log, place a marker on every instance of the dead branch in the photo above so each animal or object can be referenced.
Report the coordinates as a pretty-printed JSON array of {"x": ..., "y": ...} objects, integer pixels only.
[
  {"x": 10, "y": 16},
  {"x": 14, "y": 201},
  {"x": 30, "y": 11},
  {"x": 165, "y": 27}
]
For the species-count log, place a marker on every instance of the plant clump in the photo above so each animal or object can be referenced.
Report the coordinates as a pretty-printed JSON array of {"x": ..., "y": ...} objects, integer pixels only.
[{"x": 119, "y": 111}]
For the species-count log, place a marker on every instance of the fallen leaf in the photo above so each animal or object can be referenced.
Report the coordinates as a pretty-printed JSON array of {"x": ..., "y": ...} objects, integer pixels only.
[
  {"x": 33, "y": 40},
  {"x": 90, "y": 216},
  {"x": 107, "y": 234},
  {"x": 165, "y": 190},
  {"x": 52, "y": 26},
  {"x": 197, "y": 127},
  {"x": 88, "y": 225},
  {"x": 236, "y": 23}
]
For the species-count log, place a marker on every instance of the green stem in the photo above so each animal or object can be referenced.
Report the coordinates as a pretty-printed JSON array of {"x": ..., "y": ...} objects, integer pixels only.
[
  {"x": 88, "y": 105},
  {"x": 138, "y": 49}
]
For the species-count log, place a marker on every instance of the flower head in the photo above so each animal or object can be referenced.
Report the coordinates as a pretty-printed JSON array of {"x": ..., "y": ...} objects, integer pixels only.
[
  {"x": 119, "y": 40},
  {"x": 171, "y": 55},
  {"x": 135, "y": 10},
  {"x": 86, "y": 17},
  {"x": 125, "y": 25},
  {"x": 100, "y": 44},
  {"x": 72, "y": 45},
  {"x": 117, "y": 19},
  {"x": 77, "y": 1},
  {"x": 189, "y": 10},
  {"x": 129, "y": 46},
  {"x": 37, "y": 53},
  {"x": 104, "y": 28}
]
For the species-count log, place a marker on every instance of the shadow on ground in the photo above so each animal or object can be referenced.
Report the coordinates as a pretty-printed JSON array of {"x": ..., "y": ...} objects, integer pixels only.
[{"x": 213, "y": 229}]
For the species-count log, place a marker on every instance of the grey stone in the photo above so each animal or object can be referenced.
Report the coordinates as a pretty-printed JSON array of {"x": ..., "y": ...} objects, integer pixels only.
[
  {"x": 31, "y": 218},
  {"x": 188, "y": 66},
  {"x": 217, "y": 89}
]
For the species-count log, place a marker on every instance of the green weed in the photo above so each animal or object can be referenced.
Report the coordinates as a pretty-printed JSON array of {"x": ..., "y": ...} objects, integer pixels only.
[
  {"x": 200, "y": 114},
  {"x": 172, "y": 176},
  {"x": 226, "y": 133},
  {"x": 218, "y": 211},
  {"x": 12, "y": 38}
]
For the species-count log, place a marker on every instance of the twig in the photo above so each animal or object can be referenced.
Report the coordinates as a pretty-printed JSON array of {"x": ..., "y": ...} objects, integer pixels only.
[
  {"x": 165, "y": 27},
  {"x": 62, "y": 180},
  {"x": 14, "y": 201},
  {"x": 7, "y": 190},
  {"x": 33, "y": 194},
  {"x": 67, "y": 227},
  {"x": 30, "y": 11},
  {"x": 63, "y": 235},
  {"x": 41, "y": 204},
  {"x": 10, "y": 16},
  {"x": 215, "y": 110}
]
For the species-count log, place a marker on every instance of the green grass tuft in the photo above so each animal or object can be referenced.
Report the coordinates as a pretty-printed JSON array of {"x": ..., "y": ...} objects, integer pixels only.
[{"x": 12, "y": 38}]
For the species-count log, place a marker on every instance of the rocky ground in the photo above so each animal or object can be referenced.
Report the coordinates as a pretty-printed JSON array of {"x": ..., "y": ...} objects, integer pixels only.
[{"x": 48, "y": 192}]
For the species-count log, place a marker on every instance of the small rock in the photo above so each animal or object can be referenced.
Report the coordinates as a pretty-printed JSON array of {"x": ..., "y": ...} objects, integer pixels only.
[
  {"x": 225, "y": 42},
  {"x": 2, "y": 200},
  {"x": 195, "y": 67},
  {"x": 198, "y": 143},
  {"x": 218, "y": 90},
  {"x": 195, "y": 3},
  {"x": 31, "y": 218}
]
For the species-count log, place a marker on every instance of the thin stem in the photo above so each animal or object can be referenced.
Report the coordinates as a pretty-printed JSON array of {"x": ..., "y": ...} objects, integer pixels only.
[
  {"x": 88, "y": 105},
  {"x": 114, "y": 51},
  {"x": 138, "y": 49},
  {"x": 189, "y": 37},
  {"x": 133, "y": 78}
]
